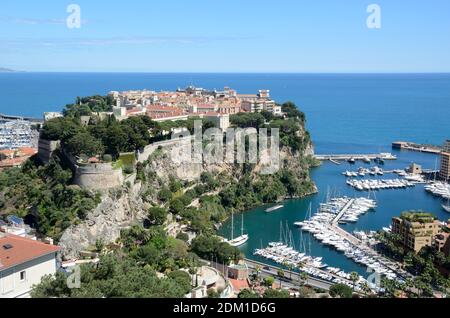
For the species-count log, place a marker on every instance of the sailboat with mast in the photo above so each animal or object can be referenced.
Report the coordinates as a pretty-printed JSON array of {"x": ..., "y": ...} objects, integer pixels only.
[{"x": 240, "y": 240}]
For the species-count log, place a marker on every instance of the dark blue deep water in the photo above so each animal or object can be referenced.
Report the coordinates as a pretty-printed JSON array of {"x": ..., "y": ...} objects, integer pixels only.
[{"x": 346, "y": 114}]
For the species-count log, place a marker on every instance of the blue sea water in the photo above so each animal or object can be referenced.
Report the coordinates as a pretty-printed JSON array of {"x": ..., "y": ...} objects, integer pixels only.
[
  {"x": 346, "y": 113},
  {"x": 358, "y": 110}
]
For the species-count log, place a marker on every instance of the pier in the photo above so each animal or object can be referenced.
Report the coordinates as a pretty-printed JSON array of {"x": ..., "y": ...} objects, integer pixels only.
[
  {"x": 324, "y": 227},
  {"x": 334, "y": 227},
  {"x": 344, "y": 209},
  {"x": 336, "y": 157},
  {"x": 4, "y": 117},
  {"x": 411, "y": 146},
  {"x": 392, "y": 265}
]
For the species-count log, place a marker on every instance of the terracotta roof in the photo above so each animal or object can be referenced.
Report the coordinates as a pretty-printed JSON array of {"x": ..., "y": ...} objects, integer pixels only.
[
  {"x": 206, "y": 106},
  {"x": 154, "y": 108},
  {"x": 27, "y": 151},
  {"x": 8, "y": 152},
  {"x": 239, "y": 285},
  {"x": 93, "y": 160},
  {"x": 166, "y": 115},
  {"x": 15, "y": 250},
  {"x": 211, "y": 114},
  {"x": 12, "y": 162},
  {"x": 135, "y": 110}
]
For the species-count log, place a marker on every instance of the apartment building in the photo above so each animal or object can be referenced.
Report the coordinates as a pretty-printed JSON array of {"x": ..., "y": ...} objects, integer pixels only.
[
  {"x": 444, "y": 172},
  {"x": 23, "y": 262},
  {"x": 416, "y": 229}
]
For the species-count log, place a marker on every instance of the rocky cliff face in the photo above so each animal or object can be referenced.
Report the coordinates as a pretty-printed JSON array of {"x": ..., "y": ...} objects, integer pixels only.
[
  {"x": 125, "y": 206},
  {"x": 118, "y": 209}
]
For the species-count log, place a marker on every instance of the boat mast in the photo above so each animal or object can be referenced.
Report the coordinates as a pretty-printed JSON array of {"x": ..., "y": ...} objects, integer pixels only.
[
  {"x": 281, "y": 231},
  {"x": 232, "y": 226},
  {"x": 242, "y": 225},
  {"x": 301, "y": 241},
  {"x": 287, "y": 232},
  {"x": 304, "y": 246},
  {"x": 292, "y": 240},
  {"x": 309, "y": 244},
  {"x": 435, "y": 169},
  {"x": 310, "y": 211}
]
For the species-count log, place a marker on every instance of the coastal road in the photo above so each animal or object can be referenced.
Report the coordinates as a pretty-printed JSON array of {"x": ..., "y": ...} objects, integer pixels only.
[{"x": 291, "y": 279}]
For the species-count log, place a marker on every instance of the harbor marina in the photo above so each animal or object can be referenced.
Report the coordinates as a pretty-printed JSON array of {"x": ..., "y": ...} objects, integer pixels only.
[
  {"x": 16, "y": 134},
  {"x": 263, "y": 227},
  {"x": 323, "y": 226},
  {"x": 285, "y": 254},
  {"x": 377, "y": 184},
  {"x": 440, "y": 189}
]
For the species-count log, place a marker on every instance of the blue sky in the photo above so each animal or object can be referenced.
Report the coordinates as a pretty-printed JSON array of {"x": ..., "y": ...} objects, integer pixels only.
[{"x": 226, "y": 36}]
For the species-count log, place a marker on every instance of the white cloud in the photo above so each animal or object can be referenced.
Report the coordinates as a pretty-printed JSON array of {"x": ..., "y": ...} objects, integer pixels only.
[
  {"x": 33, "y": 21},
  {"x": 91, "y": 42}
]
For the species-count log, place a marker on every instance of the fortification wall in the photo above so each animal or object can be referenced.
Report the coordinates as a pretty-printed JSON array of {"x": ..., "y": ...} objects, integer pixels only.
[
  {"x": 46, "y": 149},
  {"x": 99, "y": 176},
  {"x": 148, "y": 150}
]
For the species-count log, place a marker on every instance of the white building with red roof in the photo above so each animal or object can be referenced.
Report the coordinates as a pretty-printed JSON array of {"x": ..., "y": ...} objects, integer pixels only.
[{"x": 23, "y": 262}]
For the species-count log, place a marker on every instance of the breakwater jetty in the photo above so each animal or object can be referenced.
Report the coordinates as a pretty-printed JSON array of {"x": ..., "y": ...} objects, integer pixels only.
[
  {"x": 411, "y": 146},
  {"x": 338, "y": 157},
  {"x": 4, "y": 118}
]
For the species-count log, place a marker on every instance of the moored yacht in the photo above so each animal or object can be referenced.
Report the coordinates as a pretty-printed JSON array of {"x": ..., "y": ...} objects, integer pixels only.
[
  {"x": 274, "y": 208},
  {"x": 240, "y": 240}
]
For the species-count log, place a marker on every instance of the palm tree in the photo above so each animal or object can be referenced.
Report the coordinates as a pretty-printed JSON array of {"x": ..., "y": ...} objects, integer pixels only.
[
  {"x": 366, "y": 288},
  {"x": 389, "y": 286},
  {"x": 354, "y": 277},
  {"x": 280, "y": 274},
  {"x": 419, "y": 285},
  {"x": 257, "y": 271},
  {"x": 445, "y": 286},
  {"x": 408, "y": 285},
  {"x": 290, "y": 268},
  {"x": 303, "y": 278}
]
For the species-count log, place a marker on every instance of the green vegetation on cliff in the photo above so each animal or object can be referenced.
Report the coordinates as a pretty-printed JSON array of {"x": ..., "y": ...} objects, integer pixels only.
[
  {"x": 212, "y": 198},
  {"x": 131, "y": 272},
  {"x": 43, "y": 195},
  {"x": 116, "y": 276},
  {"x": 106, "y": 136},
  {"x": 84, "y": 106}
]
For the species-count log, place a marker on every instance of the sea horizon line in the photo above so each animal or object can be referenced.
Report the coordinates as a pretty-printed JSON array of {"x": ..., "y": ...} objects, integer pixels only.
[{"x": 227, "y": 73}]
